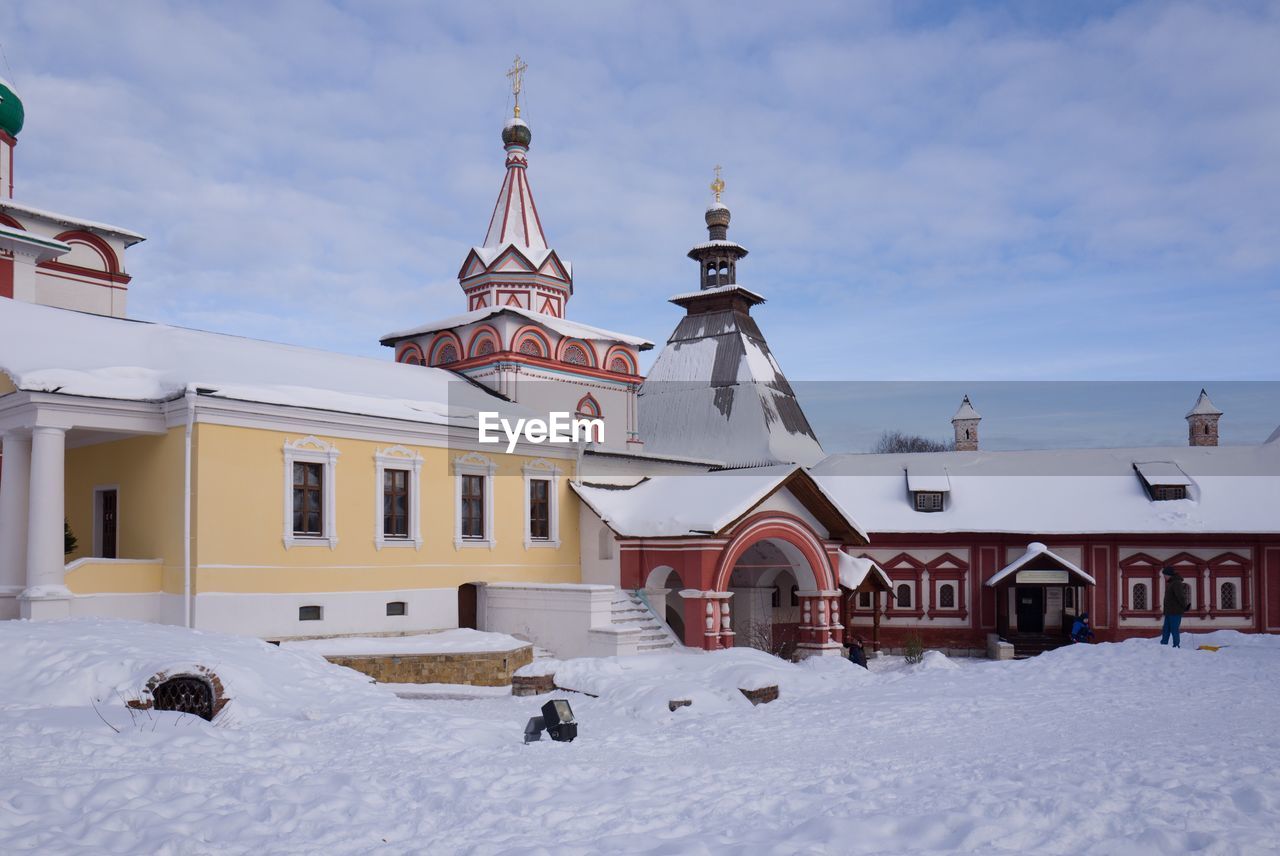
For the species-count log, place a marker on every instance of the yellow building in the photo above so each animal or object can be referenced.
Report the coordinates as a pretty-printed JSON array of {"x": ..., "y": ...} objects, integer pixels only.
[{"x": 257, "y": 488}]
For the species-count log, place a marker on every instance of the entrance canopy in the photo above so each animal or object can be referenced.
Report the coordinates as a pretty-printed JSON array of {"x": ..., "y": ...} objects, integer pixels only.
[
  {"x": 1040, "y": 565},
  {"x": 862, "y": 574}
]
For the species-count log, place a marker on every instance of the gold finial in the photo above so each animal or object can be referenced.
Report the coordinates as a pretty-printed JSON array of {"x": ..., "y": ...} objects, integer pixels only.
[
  {"x": 516, "y": 74},
  {"x": 717, "y": 186}
]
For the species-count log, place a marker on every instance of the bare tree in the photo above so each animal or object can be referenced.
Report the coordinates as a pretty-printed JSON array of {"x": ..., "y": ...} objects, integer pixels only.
[
  {"x": 897, "y": 441},
  {"x": 759, "y": 635}
]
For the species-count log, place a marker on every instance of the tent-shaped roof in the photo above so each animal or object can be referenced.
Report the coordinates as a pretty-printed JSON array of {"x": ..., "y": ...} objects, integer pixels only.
[
  {"x": 709, "y": 503},
  {"x": 1039, "y": 557},
  {"x": 856, "y": 570}
]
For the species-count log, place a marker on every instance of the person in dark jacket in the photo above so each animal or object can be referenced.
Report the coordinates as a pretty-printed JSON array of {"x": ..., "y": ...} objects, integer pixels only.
[
  {"x": 1177, "y": 600},
  {"x": 857, "y": 654},
  {"x": 1080, "y": 630}
]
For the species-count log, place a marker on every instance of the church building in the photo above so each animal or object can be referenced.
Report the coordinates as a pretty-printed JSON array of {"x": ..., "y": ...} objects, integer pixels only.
[{"x": 170, "y": 475}]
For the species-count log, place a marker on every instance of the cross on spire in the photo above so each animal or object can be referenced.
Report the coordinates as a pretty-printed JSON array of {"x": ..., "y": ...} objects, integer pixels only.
[
  {"x": 717, "y": 186},
  {"x": 516, "y": 75}
]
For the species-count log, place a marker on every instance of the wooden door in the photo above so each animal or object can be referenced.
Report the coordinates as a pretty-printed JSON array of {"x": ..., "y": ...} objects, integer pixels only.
[
  {"x": 1030, "y": 609},
  {"x": 467, "y": 602}
]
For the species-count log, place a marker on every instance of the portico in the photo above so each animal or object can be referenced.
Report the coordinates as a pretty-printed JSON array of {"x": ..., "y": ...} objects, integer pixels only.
[{"x": 36, "y": 430}]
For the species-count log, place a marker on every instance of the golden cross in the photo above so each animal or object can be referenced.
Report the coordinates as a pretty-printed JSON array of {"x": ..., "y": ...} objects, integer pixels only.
[
  {"x": 516, "y": 73},
  {"x": 717, "y": 186}
]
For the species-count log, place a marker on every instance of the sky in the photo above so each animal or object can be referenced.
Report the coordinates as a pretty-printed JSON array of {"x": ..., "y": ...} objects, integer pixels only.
[{"x": 961, "y": 192}]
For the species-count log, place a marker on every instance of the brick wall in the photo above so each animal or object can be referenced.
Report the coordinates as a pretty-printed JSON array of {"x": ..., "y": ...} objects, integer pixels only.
[{"x": 484, "y": 669}]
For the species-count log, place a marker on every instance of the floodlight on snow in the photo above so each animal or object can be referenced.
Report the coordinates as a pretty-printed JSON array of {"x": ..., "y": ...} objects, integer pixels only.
[{"x": 557, "y": 720}]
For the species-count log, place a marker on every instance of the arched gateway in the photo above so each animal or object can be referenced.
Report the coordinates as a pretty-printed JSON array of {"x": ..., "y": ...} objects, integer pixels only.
[{"x": 754, "y": 553}]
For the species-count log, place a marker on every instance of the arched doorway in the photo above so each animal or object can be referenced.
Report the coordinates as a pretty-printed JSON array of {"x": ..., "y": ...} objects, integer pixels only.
[
  {"x": 766, "y": 582},
  {"x": 662, "y": 588}
]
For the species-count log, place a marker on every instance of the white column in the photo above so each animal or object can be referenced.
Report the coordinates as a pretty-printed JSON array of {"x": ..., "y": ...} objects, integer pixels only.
[
  {"x": 15, "y": 480},
  {"x": 46, "y": 595}
]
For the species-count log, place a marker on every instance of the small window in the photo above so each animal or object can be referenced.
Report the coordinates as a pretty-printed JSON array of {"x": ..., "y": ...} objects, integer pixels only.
[
  {"x": 947, "y": 596},
  {"x": 308, "y": 499},
  {"x": 928, "y": 500},
  {"x": 473, "y": 508},
  {"x": 310, "y": 613},
  {"x": 1227, "y": 596},
  {"x": 397, "y": 607},
  {"x": 395, "y": 503},
  {"x": 864, "y": 600},
  {"x": 539, "y": 509},
  {"x": 904, "y": 596},
  {"x": 1163, "y": 492},
  {"x": 1140, "y": 596}
]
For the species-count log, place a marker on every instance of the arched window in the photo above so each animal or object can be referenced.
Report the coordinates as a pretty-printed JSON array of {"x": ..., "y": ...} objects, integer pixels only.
[
  {"x": 531, "y": 347},
  {"x": 446, "y": 353},
  {"x": 775, "y": 597},
  {"x": 411, "y": 356},
  {"x": 575, "y": 355},
  {"x": 947, "y": 596},
  {"x": 589, "y": 407},
  {"x": 484, "y": 348},
  {"x": 1227, "y": 596},
  {"x": 619, "y": 365},
  {"x": 1140, "y": 596},
  {"x": 904, "y": 596}
]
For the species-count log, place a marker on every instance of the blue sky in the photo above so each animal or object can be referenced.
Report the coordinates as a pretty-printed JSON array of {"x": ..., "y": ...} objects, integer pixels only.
[{"x": 954, "y": 192}]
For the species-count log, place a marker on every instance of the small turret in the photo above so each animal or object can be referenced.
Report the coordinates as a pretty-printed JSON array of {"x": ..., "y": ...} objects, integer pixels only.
[
  {"x": 965, "y": 423},
  {"x": 1202, "y": 422},
  {"x": 717, "y": 258}
]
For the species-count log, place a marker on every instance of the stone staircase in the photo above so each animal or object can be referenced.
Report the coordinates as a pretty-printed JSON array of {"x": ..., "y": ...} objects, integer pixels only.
[
  {"x": 1027, "y": 645},
  {"x": 630, "y": 609}
]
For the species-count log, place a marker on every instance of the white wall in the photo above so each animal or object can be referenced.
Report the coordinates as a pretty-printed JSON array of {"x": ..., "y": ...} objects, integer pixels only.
[
  {"x": 592, "y": 532},
  {"x": 567, "y": 619},
  {"x": 275, "y": 616}
]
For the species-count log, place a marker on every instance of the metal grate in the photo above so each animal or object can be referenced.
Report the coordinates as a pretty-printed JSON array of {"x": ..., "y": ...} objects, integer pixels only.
[{"x": 185, "y": 695}]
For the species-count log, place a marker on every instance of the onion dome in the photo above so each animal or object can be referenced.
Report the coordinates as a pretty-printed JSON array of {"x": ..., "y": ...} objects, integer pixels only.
[
  {"x": 516, "y": 133},
  {"x": 717, "y": 215},
  {"x": 11, "y": 112}
]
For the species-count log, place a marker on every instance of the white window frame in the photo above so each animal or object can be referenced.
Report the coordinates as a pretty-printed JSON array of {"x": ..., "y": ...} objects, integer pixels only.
[
  {"x": 473, "y": 464},
  {"x": 311, "y": 450},
  {"x": 398, "y": 458},
  {"x": 546, "y": 471},
  {"x": 955, "y": 596}
]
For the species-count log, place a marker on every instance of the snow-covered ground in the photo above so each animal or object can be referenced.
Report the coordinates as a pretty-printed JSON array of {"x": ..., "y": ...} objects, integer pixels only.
[{"x": 1119, "y": 749}]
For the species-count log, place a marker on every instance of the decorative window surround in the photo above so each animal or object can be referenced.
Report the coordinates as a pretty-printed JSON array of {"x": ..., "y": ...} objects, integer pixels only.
[
  {"x": 543, "y": 469},
  {"x": 398, "y": 458},
  {"x": 315, "y": 451},
  {"x": 474, "y": 464}
]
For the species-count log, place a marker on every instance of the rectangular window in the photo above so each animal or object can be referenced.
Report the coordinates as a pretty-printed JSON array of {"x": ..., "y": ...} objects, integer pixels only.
[
  {"x": 396, "y": 607},
  {"x": 309, "y": 613},
  {"x": 539, "y": 509},
  {"x": 308, "y": 499},
  {"x": 927, "y": 500},
  {"x": 473, "y": 508},
  {"x": 864, "y": 600},
  {"x": 1163, "y": 492},
  {"x": 395, "y": 503}
]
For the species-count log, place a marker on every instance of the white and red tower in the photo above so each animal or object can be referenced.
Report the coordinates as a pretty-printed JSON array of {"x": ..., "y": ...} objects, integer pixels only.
[{"x": 515, "y": 337}]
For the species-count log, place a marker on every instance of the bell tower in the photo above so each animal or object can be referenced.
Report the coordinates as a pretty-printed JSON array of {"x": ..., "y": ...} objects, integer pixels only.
[
  {"x": 1202, "y": 422},
  {"x": 965, "y": 423},
  {"x": 718, "y": 257}
]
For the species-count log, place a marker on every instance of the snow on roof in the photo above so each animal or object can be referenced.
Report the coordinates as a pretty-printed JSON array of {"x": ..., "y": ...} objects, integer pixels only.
[
  {"x": 43, "y": 349},
  {"x": 685, "y": 505},
  {"x": 131, "y": 237},
  {"x": 928, "y": 476},
  {"x": 716, "y": 391},
  {"x": 1034, "y": 551},
  {"x": 853, "y": 571},
  {"x": 966, "y": 411},
  {"x": 721, "y": 243},
  {"x": 536, "y": 256},
  {"x": 1203, "y": 406},
  {"x": 718, "y": 289},
  {"x": 1064, "y": 491},
  {"x": 572, "y": 329},
  {"x": 1162, "y": 473}
]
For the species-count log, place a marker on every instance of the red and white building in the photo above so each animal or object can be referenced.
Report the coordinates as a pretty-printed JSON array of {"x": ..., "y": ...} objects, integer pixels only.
[{"x": 515, "y": 337}]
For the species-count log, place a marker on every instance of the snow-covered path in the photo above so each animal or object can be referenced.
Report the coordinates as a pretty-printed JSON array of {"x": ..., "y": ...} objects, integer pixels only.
[{"x": 1125, "y": 749}]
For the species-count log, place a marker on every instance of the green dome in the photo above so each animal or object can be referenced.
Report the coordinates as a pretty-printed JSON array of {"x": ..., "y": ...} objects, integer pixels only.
[{"x": 11, "y": 112}]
